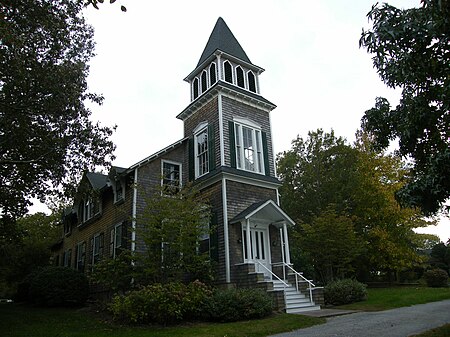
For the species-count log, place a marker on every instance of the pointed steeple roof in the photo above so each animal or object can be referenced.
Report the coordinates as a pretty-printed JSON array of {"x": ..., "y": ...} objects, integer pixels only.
[{"x": 223, "y": 39}]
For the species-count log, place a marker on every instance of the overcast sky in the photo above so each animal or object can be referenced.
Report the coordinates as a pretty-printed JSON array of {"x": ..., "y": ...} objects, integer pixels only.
[{"x": 315, "y": 72}]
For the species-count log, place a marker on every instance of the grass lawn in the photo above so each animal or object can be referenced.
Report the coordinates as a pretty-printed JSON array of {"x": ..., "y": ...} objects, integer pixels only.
[
  {"x": 23, "y": 321},
  {"x": 442, "y": 331},
  {"x": 389, "y": 298}
]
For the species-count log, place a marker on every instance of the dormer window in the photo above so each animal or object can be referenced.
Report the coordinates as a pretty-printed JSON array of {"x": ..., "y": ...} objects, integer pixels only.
[
  {"x": 251, "y": 81},
  {"x": 88, "y": 208},
  {"x": 119, "y": 194},
  {"x": 212, "y": 74},
  {"x": 228, "y": 69},
  {"x": 240, "y": 77}
]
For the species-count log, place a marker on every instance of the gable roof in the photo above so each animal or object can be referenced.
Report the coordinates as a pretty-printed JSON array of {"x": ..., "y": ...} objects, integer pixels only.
[
  {"x": 97, "y": 180},
  {"x": 268, "y": 208},
  {"x": 223, "y": 39}
]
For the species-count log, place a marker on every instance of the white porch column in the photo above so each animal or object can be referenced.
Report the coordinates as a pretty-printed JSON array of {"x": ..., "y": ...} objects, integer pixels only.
[
  {"x": 247, "y": 239},
  {"x": 286, "y": 244}
]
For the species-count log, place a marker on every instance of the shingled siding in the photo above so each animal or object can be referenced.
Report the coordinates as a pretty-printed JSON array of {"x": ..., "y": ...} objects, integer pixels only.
[
  {"x": 239, "y": 197},
  {"x": 149, "y": 182},
  {"x": 208, "y": 113},
  {"x": 232, "y": 108},
  {"x": 111, "y": 215},
  {"x": 214, "y": 194}
]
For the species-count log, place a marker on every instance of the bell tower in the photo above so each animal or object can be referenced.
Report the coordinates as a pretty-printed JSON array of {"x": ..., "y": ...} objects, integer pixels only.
[{"x": 230, "y": 152}]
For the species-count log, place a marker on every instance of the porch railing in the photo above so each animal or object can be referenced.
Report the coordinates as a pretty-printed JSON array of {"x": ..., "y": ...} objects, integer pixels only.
[{"x": 273, "y": 274}]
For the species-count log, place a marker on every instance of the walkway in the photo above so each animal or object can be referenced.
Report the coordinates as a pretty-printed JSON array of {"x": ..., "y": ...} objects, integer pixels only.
[{"x": 400, "y": 322}]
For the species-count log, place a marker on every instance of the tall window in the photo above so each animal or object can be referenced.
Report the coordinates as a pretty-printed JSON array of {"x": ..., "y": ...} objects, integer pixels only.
[
  {"x": 89, "y": 208},
  {"x": 240, "y": 77},
  {"x": 228, "y": 72},
  {"x": 201, "y": 152},
  {"x": 68, "y": 258},
  {"x": 171, "y": 177},
  {"x": 212, "y": 74},
  {"x": 97, "y": 247},
  {"x": 81, "y": 256},
  {"x": 251, "y": 81},
  {"x": 204, "y": 81},
  {"x": 249, "y": 150},
  {"x": 116, "y": 243},
  {"x": 195, "y": 88},
  {"x": 118, "y": 191}
]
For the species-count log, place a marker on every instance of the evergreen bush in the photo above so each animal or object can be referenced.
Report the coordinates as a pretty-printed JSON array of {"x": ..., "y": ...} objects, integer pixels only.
[
  {"x": 58, "y": 286},
  {"x": 436, "y": 278},
  {"x": 229, "y": 305},
  {"x": 161, "y": 303},
  {"x": 344, "y": 291}
]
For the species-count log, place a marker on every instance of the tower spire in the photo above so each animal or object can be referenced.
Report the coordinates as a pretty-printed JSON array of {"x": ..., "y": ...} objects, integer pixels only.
[{"x": 223, "y": 39}]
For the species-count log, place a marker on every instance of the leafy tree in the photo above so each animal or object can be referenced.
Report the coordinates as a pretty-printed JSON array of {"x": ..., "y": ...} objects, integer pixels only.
[
  {"x": 332, "y": 244},
  {"x": 411, "y": 51},
  {"x": 46, "y": 136},
  {"x": 171, "y": 228},
  {"x": 334, "y": 190},
  {"x": 440, "y": 256},
  {"x": 30, "y": 250}
]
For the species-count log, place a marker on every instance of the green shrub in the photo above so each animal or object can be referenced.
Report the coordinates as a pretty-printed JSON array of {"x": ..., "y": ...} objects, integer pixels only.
[
  {"x": 58, "y": 286},
  {"x": 436, "y": 278},
  {"x": 161, "y": 303},
  {"x": 229, "y": 305},
  {"x": 344, "y": 291}
]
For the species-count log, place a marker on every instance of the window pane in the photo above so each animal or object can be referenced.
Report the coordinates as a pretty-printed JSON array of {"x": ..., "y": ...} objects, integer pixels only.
[
  {"x": 195, "y": 84},
  {"x": 240, "y": 77},
  {"x": 202, "y": 152}
]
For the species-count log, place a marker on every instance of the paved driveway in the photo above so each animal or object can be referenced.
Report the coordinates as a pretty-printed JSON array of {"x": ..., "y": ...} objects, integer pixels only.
[{"x": 399, "y": 322}]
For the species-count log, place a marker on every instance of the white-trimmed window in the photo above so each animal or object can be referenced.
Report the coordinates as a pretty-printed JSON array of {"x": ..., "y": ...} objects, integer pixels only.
[
  {"x": 116, "y": 241},
  {"x": 228, "y": 71},
  {"x": 201, "y": 151},
  {"x": 171, "y": 176},
  {"x": 212, "y": 74},
  {"x": 89, "y": 208},
  {"x": 119, "y": 191},
  {"x": 80, "y": 256},
  {"x": 195, "y": 88},
  {"x": 249, "y": 148},
  {"x": 67, "y": 258},
  {"x": 97, "y": 247},
  {"x": 240, "y": 77},
  {"x": 251, "y": 80}
]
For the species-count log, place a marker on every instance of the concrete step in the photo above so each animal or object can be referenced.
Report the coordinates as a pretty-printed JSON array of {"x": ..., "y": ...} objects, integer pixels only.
[{"x": 302, "y": 309}]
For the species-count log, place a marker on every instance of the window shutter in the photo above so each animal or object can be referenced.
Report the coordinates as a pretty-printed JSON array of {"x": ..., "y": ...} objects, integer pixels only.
[
  {"x": 214, "y": 238},
  {"x": 124, "y": 235},
  {"x": 191, "y": 159},
  {"x": 211, "y": 148},
  {"x": 91, "y": 254},
  {"x": 232, "y": 141},
  {"x": 111, "y": 243},
  {"x": 265, "y": 154},
  {"x": 100, "y": 253}
]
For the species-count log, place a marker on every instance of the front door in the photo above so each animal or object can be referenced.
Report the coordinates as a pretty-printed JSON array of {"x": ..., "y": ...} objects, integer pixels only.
[{"x": 259, "y": 250}]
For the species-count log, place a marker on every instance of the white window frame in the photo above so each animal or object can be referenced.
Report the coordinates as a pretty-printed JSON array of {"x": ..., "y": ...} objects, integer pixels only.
[
  {"x": 163, "y": 174},
  {"x": 201, "y": 129},
  {"x": 81, "y": 255},
  {"x": 233, "y": 75},
  {"x": 248, "y": 82},
  {"x": 67, "y": 258},
  {"x": 122, "y": 185},
  {"x": 96, "y": 252},
  {"x": 256, "y": 140},
  {"x": 116, "y": 239},
  {"x": 244, "y": 77}
]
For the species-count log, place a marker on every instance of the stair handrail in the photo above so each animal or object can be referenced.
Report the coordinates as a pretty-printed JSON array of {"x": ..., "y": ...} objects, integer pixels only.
[
  {"x": 311, "y": 285},
  {"x": 273, "y": 274}
]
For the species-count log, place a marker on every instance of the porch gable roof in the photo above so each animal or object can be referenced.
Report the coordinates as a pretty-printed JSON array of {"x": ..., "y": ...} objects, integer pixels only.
[{"x": 268, "y": 208}]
